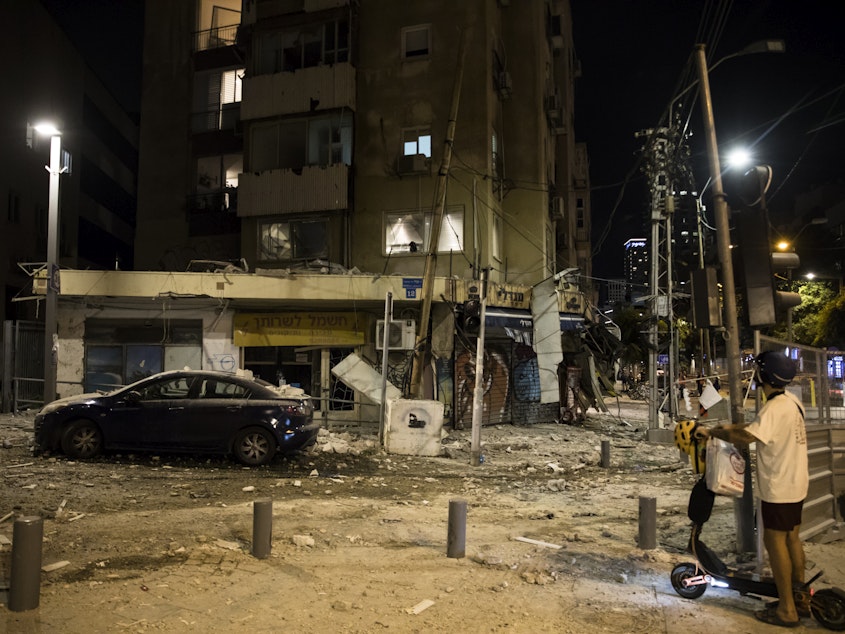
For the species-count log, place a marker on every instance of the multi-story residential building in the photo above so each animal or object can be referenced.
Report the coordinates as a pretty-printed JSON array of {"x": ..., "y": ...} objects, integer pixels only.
[
  {"x": 313, "y": 143},
  {"x": 96, "y": 225}
]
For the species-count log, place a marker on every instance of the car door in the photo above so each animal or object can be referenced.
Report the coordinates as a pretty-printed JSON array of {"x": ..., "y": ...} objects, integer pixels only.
[
  {"x": 217, "y": 409},
  {"x": 148, "y": 418}
]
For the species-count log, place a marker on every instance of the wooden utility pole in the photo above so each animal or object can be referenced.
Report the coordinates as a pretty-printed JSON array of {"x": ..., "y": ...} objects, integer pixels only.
[{"x": 423, "y": 345}]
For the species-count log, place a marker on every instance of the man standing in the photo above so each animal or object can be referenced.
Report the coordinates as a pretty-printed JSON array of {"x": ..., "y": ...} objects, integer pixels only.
[{"x": 782, "y": 478}]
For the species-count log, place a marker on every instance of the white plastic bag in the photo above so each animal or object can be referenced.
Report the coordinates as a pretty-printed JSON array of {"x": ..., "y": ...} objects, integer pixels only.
[{"x": 725, "y": 470}]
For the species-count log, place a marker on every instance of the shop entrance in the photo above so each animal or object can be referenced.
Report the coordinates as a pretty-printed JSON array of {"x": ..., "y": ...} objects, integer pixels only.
[{"x": 310, "y": 369}]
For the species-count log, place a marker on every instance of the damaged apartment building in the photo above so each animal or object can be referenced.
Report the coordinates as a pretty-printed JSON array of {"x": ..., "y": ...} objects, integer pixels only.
[{"x": 294, "y": 156}]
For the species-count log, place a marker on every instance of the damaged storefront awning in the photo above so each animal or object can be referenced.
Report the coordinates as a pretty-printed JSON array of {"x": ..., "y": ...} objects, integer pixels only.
[{"x": 518, "y": 324}]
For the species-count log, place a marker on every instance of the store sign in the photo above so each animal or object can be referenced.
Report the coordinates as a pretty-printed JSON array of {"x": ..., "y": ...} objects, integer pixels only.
[{"x": 298, "y": 329}]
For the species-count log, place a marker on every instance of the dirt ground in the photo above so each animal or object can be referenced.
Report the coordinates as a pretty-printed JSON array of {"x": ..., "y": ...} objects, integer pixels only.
[{"x": 145, "y": 543}]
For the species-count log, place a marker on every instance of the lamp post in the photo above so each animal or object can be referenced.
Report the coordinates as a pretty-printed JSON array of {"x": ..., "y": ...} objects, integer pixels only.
[
  {"x": 52, "y": 268},
  {"x": 744, "y": 508}
]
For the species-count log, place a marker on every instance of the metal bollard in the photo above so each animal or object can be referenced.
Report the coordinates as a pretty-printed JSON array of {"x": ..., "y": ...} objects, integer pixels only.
[
  {"x": 648, "y": 523},
  {"x": 25, "y": 578},
  {"x": 605, "y": 454},
  {"x": 457, "y": 536},
  {"x": 262, "y": 528}
]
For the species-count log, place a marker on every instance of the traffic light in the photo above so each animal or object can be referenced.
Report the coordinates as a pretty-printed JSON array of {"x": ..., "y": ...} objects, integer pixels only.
[
  {"x": 706, "y": 311},
  {"x": 786, "y": 261},
  {"x": 757, "y": 263},
  {"x": 472, "y": 317}
]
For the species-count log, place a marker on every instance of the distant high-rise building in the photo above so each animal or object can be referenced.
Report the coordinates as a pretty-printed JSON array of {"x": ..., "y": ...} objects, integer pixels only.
[{"x": 636, "y": 267}]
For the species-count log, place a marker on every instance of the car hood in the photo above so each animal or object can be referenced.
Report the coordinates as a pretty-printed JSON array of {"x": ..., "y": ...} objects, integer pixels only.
[{"x": 68, "y": 400}]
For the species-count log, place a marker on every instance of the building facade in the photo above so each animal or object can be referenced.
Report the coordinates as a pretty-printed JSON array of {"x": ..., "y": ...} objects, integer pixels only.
[
  {"x": 309, "y": 146},
  {"x": 97, "y": 188}
]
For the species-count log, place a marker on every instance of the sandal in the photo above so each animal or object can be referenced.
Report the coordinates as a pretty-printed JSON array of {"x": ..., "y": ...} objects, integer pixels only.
[
  {"x": 802, "y": 607},
  {"x": 771, "y": 617}
]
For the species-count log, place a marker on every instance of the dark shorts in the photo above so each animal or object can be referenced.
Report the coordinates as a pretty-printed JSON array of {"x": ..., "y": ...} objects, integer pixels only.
[{"x": 781, "y": 517}]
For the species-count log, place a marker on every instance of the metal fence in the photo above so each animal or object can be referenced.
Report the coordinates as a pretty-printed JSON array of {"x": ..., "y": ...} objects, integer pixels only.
[
  {"x": 820, "y": 391},
  {"x": 23, "y": 365}
]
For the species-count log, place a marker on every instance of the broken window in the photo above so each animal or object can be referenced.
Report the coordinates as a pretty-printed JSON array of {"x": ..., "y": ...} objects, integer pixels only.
[
  {"x": 293, "y": 240},
  {"x": 293, "y": 144},
  {"x": 410, "y": 231},
  {"x": 303, "y": 47},
  {"x": 416, "y": 141}
]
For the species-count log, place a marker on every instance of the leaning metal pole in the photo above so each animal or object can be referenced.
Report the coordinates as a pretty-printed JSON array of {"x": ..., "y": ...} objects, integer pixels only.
[
  {"x": 744, "y": 507},
  {"x": 423, "y": 344}
]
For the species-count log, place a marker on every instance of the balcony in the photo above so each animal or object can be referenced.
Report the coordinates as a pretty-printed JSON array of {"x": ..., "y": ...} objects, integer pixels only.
[
  {"x": 213, "y": 213},
  {"x": 306, "y": 90},
  {"x": 281, "y": 191},
  {"x": 226, "y": 117},
  {"x": 218, "y": 37}
]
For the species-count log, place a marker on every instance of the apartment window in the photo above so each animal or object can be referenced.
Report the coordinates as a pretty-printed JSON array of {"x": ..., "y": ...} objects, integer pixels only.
[
  {"x": 416, "y": 41},
  {"x": 215, "y": 173},
  {"x": 410, "y": 231},
  {"x": 217, "y": 98},
  {"x": 416, "y": 141},
  {"x": 303, "y": 47},
  {"x": 292, "y": 144},
  {"x": 293, "y": 240}
]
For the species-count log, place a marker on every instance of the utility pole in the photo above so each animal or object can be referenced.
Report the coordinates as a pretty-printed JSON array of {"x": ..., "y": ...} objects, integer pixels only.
[
  {"x": 658, "y": 148},
  {"x": 423, "y": 344},
  {"x": 744, "y": 506},
  {"x": 478, "y": 392}
]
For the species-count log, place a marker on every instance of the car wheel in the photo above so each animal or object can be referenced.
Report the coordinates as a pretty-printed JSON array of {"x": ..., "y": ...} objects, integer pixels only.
[
  {"x": 82, "y": 439},
  {"x": 254, "y": 446}
]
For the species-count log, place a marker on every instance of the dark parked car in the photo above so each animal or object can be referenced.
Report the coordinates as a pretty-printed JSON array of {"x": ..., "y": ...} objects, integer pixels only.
[{"x": 182, "y": 411}]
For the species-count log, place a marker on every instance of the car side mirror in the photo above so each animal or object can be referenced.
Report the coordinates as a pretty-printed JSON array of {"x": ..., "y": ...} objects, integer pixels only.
[{"x": 133, "y": 397}]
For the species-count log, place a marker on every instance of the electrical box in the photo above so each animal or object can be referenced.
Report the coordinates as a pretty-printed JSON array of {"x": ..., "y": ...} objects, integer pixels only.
[{"x": 414, "y": 427}]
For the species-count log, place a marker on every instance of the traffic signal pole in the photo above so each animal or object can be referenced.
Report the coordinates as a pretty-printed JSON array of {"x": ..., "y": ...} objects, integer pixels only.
[{"x": 744, "y": 506}]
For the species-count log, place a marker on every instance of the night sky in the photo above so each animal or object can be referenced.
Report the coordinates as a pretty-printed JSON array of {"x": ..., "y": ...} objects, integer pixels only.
[{"x": 633, "y": 55}]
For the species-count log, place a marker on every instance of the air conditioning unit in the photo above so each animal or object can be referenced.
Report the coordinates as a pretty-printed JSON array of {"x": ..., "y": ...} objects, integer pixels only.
[
  {"x": 401, "y": 336},
  {"x": 413, "y": 163}
]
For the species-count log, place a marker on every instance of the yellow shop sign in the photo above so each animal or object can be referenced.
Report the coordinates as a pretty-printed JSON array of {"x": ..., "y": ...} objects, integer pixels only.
[{"x": 298, "y": 329}]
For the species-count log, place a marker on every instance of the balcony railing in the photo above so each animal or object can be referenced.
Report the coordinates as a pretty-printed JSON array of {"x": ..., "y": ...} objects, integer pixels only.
[
  {"x": 227, "y": 117},
  {"x": 213, "y": 213},
  {"x": 219, "y": 37}
]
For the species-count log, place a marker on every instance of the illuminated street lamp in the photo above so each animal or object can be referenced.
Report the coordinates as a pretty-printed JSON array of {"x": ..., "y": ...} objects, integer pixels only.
[{"x": 51, "y": 267}]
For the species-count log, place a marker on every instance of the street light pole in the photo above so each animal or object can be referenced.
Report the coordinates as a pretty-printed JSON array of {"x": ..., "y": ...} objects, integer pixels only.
[
  {"x": 744, "y": 510},
  {"x": 52, "y": 269}
]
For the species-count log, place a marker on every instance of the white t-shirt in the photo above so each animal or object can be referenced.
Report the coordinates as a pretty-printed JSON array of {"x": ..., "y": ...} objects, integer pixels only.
[{"x": 783, "y": 475}]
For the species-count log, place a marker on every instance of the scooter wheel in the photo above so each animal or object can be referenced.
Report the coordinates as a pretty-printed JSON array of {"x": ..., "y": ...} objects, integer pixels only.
[
  {"x": 682, "y": 572},
  {"x": 828, "y": 608}
]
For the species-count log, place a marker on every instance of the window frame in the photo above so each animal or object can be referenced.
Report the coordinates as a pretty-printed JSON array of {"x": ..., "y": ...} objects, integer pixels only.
[
  {"x": 405, "y": 32},
  {"x": 292, "y": 225},
  {"x": 416, "y": 137},
  {"x": 453, "y": 217}
]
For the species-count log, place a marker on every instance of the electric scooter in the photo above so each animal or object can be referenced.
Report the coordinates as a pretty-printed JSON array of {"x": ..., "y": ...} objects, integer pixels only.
[{"x": 690, "y": 580}]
